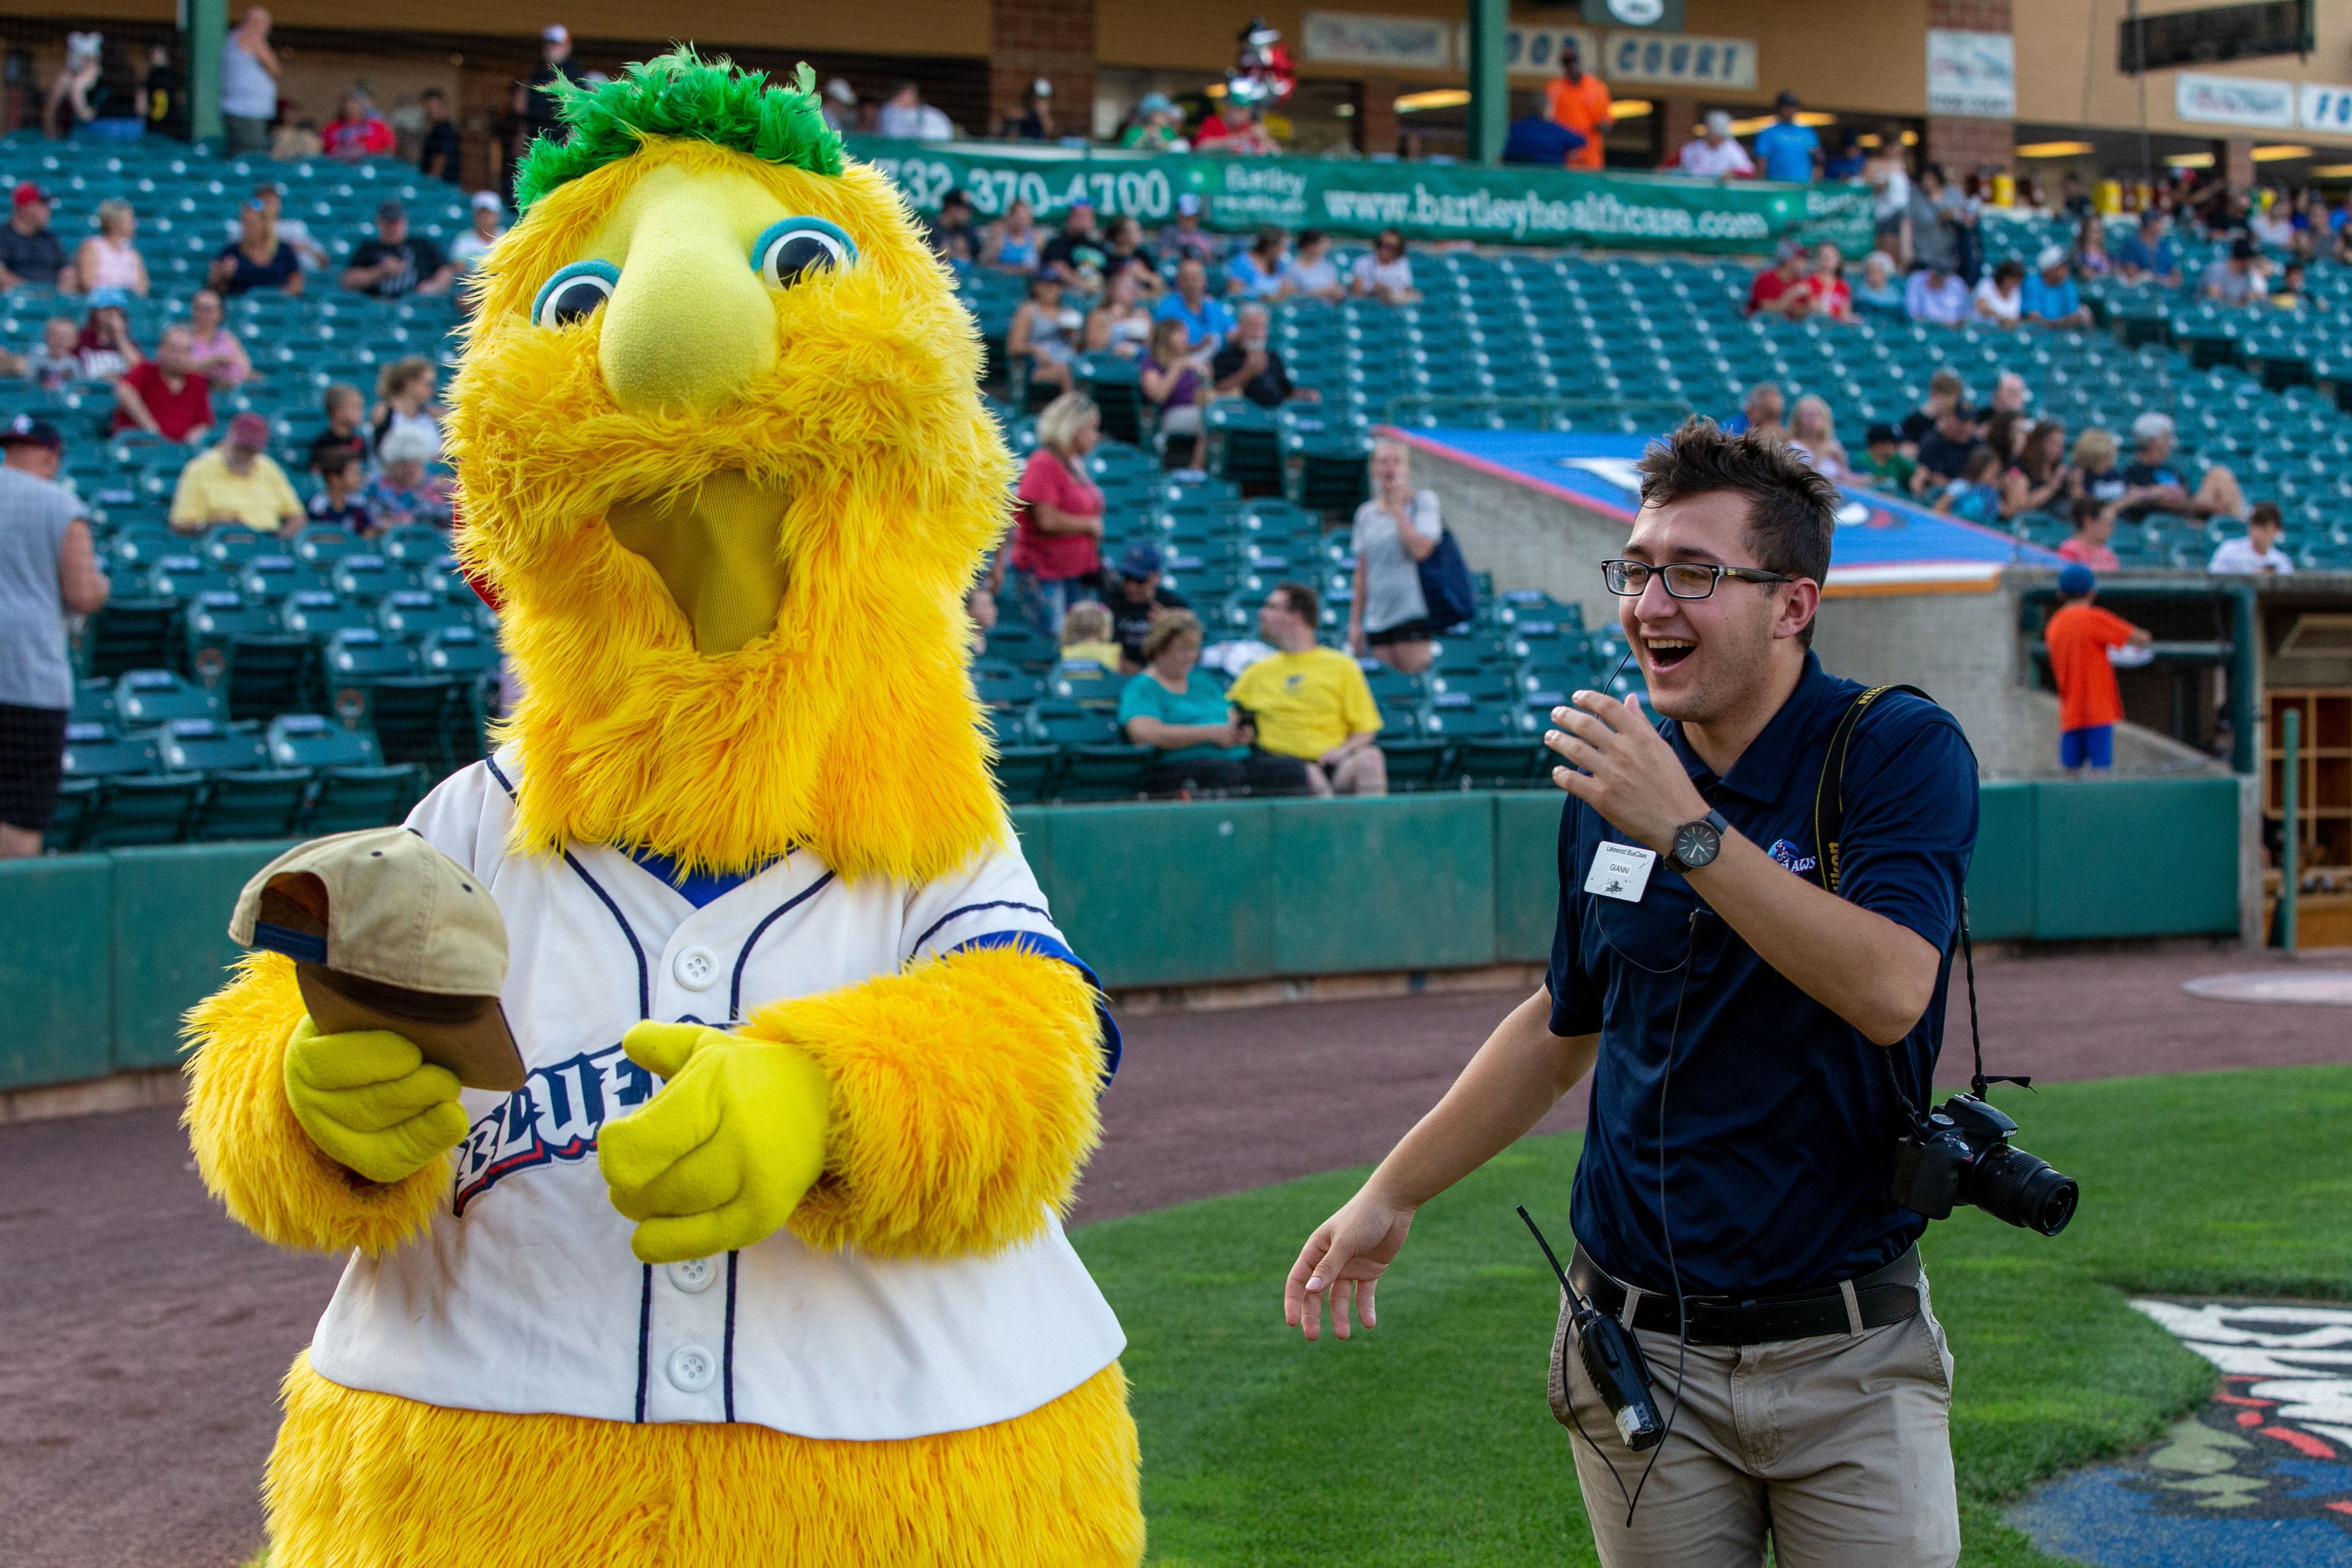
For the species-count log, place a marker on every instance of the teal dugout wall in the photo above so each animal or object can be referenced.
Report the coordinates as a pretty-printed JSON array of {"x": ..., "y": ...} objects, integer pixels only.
[{"x": 101, "y": 953}]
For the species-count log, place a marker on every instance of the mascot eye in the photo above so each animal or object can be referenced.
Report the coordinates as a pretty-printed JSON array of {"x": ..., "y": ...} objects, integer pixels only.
[
  {"x": 573, "y": 292},
  {"x": 797, "y": 249}
]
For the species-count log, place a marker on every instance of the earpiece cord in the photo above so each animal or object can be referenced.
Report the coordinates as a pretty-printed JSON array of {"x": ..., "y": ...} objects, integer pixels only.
[{"x": 1577, "y": 1305}]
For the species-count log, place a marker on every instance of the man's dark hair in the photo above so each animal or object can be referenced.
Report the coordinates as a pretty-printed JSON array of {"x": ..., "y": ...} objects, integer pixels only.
[
  {"x": 2266, "y": 513},
  {"x": 2085, "y": 511},
  {"x": 1791, "y": 509},
  {"x": 1301, "y": 599},
  {"x": 1309, "y": 236}
]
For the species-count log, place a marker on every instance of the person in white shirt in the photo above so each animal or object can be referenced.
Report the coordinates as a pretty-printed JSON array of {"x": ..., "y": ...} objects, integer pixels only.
[
  {"x": 1714, "y": 155},
  {"x": 2000, "y": 299},
  {"x": 468, "y": 248},
  {"x": 1311, "y": 271},
  {"x": 1386, "y": 275},
  {"x": 2257, "y": 554}
]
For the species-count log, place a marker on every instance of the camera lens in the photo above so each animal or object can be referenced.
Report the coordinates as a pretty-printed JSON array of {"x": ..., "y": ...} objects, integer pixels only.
[{"x": 2024, "y": 1190}]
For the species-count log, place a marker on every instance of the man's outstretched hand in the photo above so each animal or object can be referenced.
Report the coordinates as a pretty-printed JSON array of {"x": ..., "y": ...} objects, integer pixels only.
[
  {"x": 1631, "y": 775},
  {"x": 1343, "y": 1261}
]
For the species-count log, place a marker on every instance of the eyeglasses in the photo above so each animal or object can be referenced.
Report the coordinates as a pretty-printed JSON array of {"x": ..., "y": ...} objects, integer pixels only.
[{"x": 1683, "y": 579}]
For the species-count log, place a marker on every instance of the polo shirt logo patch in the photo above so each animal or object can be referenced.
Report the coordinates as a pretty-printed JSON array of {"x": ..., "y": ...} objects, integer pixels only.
[{"x": 1786, "y": 854}]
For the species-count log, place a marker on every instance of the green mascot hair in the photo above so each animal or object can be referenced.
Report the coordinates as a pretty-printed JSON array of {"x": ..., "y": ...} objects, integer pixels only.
[{"x": 682, "y": 95}]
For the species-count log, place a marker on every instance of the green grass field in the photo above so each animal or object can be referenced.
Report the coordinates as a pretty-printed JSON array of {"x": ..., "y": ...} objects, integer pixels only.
[{"x": 1428, "y": 1441}]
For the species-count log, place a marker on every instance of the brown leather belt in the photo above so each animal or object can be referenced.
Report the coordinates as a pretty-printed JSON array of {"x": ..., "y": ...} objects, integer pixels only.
[{"x": 1884, "y": 1296}]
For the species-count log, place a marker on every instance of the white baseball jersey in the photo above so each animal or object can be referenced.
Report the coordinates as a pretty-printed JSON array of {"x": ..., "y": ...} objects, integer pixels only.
[{"x": 523, "y": 1296}]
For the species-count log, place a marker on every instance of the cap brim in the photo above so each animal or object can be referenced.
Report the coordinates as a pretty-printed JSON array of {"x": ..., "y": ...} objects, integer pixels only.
[{"x": 474, "y": 1044}]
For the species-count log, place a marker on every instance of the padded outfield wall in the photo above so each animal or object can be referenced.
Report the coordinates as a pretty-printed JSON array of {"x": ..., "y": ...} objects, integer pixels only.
[{"x": 100, "y": 954}]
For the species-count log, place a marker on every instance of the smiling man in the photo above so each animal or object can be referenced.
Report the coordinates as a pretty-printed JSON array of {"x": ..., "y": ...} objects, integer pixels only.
[{"x": 1744, "y": 1230}]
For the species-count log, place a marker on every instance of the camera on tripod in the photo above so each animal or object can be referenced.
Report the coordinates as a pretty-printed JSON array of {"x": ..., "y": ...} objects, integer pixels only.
[{"x": 1961, "y": 1154}]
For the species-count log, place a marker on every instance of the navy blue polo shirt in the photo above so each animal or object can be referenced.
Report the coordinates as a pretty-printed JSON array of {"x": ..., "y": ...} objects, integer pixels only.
[{"x": 1780, "y": 1117}]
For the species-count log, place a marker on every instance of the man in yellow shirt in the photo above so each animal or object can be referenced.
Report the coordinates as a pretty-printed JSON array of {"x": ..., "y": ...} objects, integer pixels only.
[
  {"x": 236, "y": 483},
  {"x": 1311, "y": 702}
]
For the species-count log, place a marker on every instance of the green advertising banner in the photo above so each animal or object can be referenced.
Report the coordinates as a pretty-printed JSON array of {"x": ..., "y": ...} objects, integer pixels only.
[{"x": 1512, "y": 205}]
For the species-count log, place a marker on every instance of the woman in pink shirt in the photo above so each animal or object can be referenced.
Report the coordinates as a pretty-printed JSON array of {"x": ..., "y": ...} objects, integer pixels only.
[
  {"x": 217, "y": 353},
  {"x": 1056, "y": 552},
  {"x": 2094, "y": 524}
]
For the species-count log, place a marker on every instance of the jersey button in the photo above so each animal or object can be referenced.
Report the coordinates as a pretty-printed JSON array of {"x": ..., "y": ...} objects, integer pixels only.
[
  {"x": 693, "y": 1276},
  {"x": 691, "y": 1368},
  {"x": 695, "y": 969}
]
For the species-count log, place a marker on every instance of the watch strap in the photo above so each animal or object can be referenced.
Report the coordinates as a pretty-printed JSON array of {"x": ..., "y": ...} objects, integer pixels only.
[{"x": 1712, "y": 818}]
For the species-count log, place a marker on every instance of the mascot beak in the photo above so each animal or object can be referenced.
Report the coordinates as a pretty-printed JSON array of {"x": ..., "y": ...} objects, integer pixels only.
[{"x": 689, "y": 329}]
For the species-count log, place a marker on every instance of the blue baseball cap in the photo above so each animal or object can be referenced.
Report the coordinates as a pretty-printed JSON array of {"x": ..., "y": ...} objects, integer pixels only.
[
  {"x": 2075, "y": 580},
  {"x": 1139, "y": 560}
]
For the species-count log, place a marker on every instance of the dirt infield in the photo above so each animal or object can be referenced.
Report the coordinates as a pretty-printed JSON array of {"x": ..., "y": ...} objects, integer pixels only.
[{"x": 141, "y": 1336}]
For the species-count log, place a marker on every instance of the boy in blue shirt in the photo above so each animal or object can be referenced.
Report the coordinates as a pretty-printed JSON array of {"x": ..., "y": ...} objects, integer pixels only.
[
  {"x": 2049, "y": 297},
  {"x": 1786, "y": 149}
]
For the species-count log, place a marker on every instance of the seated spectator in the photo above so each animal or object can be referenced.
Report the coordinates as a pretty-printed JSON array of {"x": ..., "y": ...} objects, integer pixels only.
[
  {"x": 1056, "y": 550},
  {"x": 1394, "y": 532},
  {"x": 904, "y": 115},
  {"x": 1045, "y": 331},
  {"x": 1249, "y": 366},
  {"x": 1120, "y": 324},
  {"x": 345, "y": 409},
  {"x": 297, "y": 138},
  {"x": 2010, "y": 395},
  {"x": 1878, "y": 294},
  {"x": 56, "y": 363},
  {"x": 2099, "y": 473},
  {"x": 1882, "y": 464},
  {"x": 1035, "y": 120},
  {"x": 404, "y": 401},
  {"x": 236, "y": 483},
  {"x": 439, "y": 150},
  {"x": 1935, "y": 294},
  {"x": 2094, "y": 525},
  {"x": 2237, "y": 278},
  {"x": 1385, "y": 275},
  {"x": 1157, "y": 126},
  {"x": 29, "y": 253},
  {"x": 2289, "y": 295},
  {"x": 2258, "y": 552},
  {"x": 1137, "y": 599},
  {"x": 1174, "y": 379},
  {"x": 1077, "y": 255},
  {"x": 394, "y": 262},
  {"x": 1832, "y": 296},
  {"x": 950, "y": 235},
  {"x": 405, "y": 491},
  {"x": 2000, "y": 299},
  {"x": 2147, "y": 256},
  {"x": 106, "y": 348},
  {"x": 1206, "y": 320},
  {"x": 1185, "y": 236},
  {"x": 1310, "y": 273},
  {"x": 1945, "y": 451},
  {"x": 1759, "y": 411},
  {"x": 1785, "y": 287},
  {"x": 1238, "y": 129},
  {"x": 2050, "y": 298},
  {"x": 337, "y": 504},
  {"x": 2041, "y": 480},
  {"x": 2154, "y": 482},
  {"x": 217, "y": 353},
  {"x": 107, "y": 259},
  {"x": 1087, "y": 635},
  {"x": 292, "y": 231},
  {"x": 466, "y": 252},
  {"x": 1175, "y": 706},
  {"x": 2092, "y": 261},
  {"x": 1537, "y": 138},
  {"x": 2271, "y": 224},
  {"x": 1712, "y": 154},
  {"x": 1125, "y": 253},
  {"x": 1256, "y": 273},
  {"x": 357, "y": 130},
  {"x": 1013, "y": 243},
  {"x": 260, "y": 257},
  {"x": 1812, "y": 434},
  {"x": 166, "y": 395},
  {"x": 1310, "y": 702},
  {"x": 1945, "y": 390},
  {"x": 1974, "y": 496}
]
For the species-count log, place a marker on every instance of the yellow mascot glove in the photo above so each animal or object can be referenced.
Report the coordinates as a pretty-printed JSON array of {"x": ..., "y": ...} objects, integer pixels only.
[
  {"x": 723, "y": 1153},
  {"x": 371, "y": 1102}
]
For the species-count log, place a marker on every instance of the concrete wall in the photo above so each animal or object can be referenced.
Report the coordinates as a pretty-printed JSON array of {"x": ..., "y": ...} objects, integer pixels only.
[{"x": 1525, "y": 537}]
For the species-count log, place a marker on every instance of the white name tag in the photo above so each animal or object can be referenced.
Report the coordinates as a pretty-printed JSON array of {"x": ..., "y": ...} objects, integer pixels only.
[{"x": 1620, "y": 870}]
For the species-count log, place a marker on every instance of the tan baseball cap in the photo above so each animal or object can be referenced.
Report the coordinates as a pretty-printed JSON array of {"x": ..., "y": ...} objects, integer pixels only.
[{"x": 386, "y": 932}]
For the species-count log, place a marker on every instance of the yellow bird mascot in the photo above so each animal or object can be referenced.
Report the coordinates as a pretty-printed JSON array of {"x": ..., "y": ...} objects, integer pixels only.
[{"x": 764, "y": 1265}]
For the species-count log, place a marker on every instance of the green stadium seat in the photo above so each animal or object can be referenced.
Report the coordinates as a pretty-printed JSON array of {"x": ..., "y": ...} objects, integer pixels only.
[
  {"x": 1085, "y": 683},
  {"x": 413, "y": 614},
  {"x": 147, "y": 699},
  {"x": 413, "y": 544},
  {"x": 323, "y": 547},
  {"x": 78, "y": 801},
  {"x": 93, "y": 703},
  {"x": 130, "y": 633},
  {"x": 131, "y": 803},
  {"x": 319, "y": 614},
  {"x": 94, "y": 751},
  {"x": 243, "y": 797},
  {"x": 185, "y": 575},
  {"x": 354, "y": 787},
  {"x": 366, "y": 578},
  {"x": 460, "y": 650},
  {"x": 232, "y": 547},
  {"x": 1002, "y": 686}
]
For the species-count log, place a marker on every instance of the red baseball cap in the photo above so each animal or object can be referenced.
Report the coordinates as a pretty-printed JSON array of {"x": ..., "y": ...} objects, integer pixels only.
[
  {"x": 29, "y": 193},
  {"x": 250, "y": 431}
]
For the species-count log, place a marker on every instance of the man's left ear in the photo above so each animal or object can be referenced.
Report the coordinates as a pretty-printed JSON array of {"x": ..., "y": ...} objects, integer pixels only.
[{"x": 1798, "y": 611}]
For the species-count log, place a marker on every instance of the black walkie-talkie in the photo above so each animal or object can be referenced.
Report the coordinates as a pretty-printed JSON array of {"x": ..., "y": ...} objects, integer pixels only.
[{"x": 1613, "y": 1359}]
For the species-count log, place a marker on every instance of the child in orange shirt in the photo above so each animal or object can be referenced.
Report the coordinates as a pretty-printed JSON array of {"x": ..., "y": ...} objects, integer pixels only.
[{"x": 2089, "y": 702}]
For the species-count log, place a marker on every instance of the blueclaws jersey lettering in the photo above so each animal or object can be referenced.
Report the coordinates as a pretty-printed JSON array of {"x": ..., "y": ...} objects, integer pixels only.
[{"x": 523, "y": 1296}]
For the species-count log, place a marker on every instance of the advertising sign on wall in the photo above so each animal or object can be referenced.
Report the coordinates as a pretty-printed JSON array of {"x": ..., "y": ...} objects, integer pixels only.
[
  {"x": 1679, "y": 60},
  {"x": 1973, "y": 74},
  {"x": 1535, "y": 51},
  {"x": 2326, "y": 109},
  {"x": 1342, "y": 38},
  {"x": 2254, "y": 102}
]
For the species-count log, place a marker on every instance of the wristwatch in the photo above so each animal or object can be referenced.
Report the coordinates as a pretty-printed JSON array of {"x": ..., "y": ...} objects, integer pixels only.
[{"x": 1697, "y": 843}]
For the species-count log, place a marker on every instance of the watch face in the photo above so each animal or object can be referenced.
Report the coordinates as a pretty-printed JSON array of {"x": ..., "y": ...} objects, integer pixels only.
[{"x": 1696, "y": 843}]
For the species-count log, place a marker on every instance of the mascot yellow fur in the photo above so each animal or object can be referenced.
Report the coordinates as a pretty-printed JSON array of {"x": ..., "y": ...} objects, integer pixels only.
[{"x": 764, "y": 1265}]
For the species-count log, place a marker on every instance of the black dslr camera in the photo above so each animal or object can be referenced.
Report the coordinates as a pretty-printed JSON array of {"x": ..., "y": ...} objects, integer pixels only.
[{"x": 1961, "y": 1154}]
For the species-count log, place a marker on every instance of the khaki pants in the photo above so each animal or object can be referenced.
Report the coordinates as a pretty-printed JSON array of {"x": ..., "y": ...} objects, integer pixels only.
[{"x": 1836, "y": 1448}]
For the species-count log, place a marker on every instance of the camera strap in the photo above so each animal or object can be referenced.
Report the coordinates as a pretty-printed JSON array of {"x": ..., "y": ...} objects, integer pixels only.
[{"x": 1829, "y": 826}]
